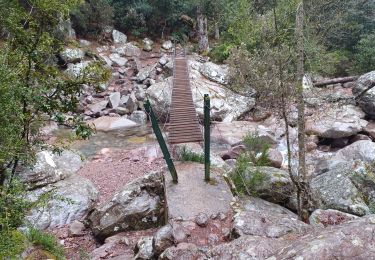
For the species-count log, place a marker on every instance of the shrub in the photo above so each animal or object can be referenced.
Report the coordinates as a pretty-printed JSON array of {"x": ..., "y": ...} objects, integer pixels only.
[
  {"x": 256, "y": 154},
  {"x": 13, "y": 206},
  {"x": 189, "y": 156},
  {"x": 46, "y": 241},
  {"x": 365, "y": 54},
  {"x": 256, "y": 150},
  {"x": 221, "y": 52},
  {"x": 238, "y": 174},
  {"x": 92, "y": 17},
  {"x": 12, "y": 243},
  {"x": 246, "y": 181}
]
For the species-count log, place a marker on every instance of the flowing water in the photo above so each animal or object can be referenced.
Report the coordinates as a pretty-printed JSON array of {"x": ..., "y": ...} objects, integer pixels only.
[{"x": 124, "y": 139}]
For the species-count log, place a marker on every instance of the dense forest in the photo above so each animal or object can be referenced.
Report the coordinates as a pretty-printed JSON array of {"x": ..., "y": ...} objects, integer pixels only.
[
  {"x": 340, "y": 32},
  {"x": 268, "y": 46}
]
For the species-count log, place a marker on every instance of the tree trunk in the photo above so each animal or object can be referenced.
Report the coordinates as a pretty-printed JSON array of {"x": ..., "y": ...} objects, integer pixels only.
[
  {"x": 202, "y": 33},
  {"x": 217, "y": 31},
  {"x": 302, "y": 174}
]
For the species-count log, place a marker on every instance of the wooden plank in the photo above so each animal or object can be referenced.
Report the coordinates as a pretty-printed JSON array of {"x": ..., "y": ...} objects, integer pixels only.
[{"x": 184, "y": 125}]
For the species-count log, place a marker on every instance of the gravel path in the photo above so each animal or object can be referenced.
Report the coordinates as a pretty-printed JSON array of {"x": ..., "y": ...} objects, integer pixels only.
[{"x": 111, "y": 170}]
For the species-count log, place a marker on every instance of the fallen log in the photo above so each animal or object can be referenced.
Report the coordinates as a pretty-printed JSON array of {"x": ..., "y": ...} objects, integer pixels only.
[{"x": 335, "y": 81}]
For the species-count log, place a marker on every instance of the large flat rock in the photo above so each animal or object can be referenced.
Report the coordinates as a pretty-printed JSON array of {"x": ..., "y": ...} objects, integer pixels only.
[
  {"x": 106, "y": 123},
  {"x": 192, "y": 195}
]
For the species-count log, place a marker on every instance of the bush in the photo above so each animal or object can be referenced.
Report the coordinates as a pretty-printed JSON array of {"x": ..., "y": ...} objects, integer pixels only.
[
  {"x": 132, "y": 16},
  {"x": 245, "y": 181},
  {"x": 256, "y": 154},
  {"x": 13, "y": 206},
  {"x": 256, "y": 150},
  {"x": 365, "y": 54},
  {"x": 221, "y": 52},
  {"x": 12, "y": 243},
  {"x": 238, "y": 174},
  {"x": 92, "y": 17},
  {"x": 189, "y": 156},
  {"x": 46, "y": 241}
]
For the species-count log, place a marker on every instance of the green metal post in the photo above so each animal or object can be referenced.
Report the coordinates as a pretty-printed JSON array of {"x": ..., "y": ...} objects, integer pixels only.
[
  {"x": 207, "y": 163},
  {"x": 159, "y": 137}
]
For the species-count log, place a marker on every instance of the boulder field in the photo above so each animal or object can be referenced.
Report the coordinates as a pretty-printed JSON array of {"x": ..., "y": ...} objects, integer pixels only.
[{"x": 260, "y": 225}]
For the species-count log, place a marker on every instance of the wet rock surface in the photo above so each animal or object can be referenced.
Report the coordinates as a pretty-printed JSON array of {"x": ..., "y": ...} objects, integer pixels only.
[{"x": 107, "y": 123}]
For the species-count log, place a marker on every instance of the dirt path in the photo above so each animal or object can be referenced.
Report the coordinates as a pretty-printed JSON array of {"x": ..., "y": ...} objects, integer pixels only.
[{"x": 111, "y": 170}]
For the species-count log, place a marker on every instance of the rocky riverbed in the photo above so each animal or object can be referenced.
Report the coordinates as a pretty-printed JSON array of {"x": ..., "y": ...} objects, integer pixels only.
[{"x": 114, "y": 184}]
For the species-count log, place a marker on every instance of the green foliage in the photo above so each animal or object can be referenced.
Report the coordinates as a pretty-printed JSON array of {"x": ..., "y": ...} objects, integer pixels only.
[
  {"x": 243, "y": 26},
  {"x": 83, "y": 254},
  {"x": 253, "y": 181},
  {"x": 31, "y": 84},
  {"x": 256, "y": 149},
  {"x": 221, "y": 52},
  {"x": 244, "y": 180},
  {"x": 339, "y": 26},
  {"x": 238, "y": 174},
  {"x": 256, "y": 154},
  {"x": 332, "y": 32},
  {"x": 364, "y": 56},
  {"x": 33, "y": 90},
  {"x": 131, "y": 16},
  {"x": 46, "y": 241},
  {"x": 322, "y": 61},
  {"x": 13, "y": 206},
  {"x": 92, "y": 17},
  {"x": 12, "y": 243},
  {"x": 189, "y": 156}
]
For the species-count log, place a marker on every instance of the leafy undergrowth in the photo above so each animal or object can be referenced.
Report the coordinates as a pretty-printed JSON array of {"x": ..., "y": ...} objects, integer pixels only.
[
  {"x": 255, "y": 154},
  {"x": 47, "y": 242},
  {"x": 14, "y": 206},
  {"x": 189, "y": 156},
  {"x": 14, "y": 243}
]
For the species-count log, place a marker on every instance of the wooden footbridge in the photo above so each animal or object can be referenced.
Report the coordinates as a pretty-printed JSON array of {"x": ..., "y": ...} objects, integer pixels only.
[
  {"x": 192, "y": 195},
  {"x": 183, "y": 124}
]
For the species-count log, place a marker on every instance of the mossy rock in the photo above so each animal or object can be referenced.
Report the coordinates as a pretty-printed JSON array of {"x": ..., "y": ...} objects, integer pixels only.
[{"x": 269, "y": 183}]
